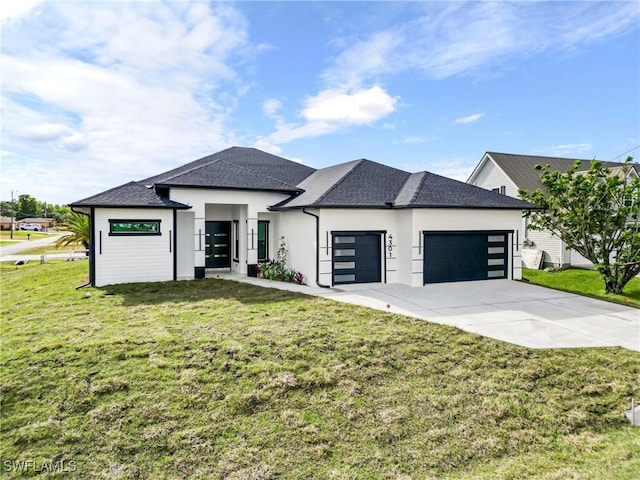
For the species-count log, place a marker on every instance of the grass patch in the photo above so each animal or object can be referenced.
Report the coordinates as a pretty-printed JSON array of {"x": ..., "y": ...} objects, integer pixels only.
[
  {"x": 216, "y": 379},
  {"x": 49, "y": 249},
  {"x": 21, "y": 235},
  {"x": 8, "y": 242},
  {"x": 584, "y": 282}
]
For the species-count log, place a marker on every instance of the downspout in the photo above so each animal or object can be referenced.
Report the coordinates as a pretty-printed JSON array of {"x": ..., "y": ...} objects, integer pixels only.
[
  {"x": 317, "y": 248},
  {"x": 91, "y": 245},
  {"x": 175, "y": 245}
]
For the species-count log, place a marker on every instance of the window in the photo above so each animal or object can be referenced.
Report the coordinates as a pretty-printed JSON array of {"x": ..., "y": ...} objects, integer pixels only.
[
  {"x": 501, "y": 190},
  {"x": 263, "y": 240},
  {"x": 134, "y": 227},
  {"x": 236, "y": 240}
]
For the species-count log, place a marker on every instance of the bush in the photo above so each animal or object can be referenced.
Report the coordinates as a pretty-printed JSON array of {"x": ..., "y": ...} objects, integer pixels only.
[{"x": 277, "y": 268}]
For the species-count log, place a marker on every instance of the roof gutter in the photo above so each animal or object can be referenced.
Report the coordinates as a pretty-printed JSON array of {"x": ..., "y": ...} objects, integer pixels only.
[{"x": 317, "y": 248}]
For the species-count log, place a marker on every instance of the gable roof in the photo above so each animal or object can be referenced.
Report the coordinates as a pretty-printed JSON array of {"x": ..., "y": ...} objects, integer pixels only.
[
  {"x": 520, "y": 168},
  {"x": 132, "y": 194},
  {"x": 236, "y": 168}
]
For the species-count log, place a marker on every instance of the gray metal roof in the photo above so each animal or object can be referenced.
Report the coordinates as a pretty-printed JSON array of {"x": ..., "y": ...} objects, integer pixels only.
[
  {"x": 521, "y": 168},
  {"x": 132, "y": 194}
]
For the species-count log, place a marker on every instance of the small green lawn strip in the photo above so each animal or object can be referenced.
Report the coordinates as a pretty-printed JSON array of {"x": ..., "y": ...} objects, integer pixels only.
[
  {"x": 217, "y": 379},
  {"x": 584, "y": 282}
]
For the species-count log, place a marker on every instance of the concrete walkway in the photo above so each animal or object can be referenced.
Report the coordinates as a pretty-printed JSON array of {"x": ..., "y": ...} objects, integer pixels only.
[{"x": 514, "y": 312}]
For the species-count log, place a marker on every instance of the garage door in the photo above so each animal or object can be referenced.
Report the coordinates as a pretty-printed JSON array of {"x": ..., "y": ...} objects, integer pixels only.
[
  {"x": 356, "y": 257},
  {"x": 458, "y": 257}
]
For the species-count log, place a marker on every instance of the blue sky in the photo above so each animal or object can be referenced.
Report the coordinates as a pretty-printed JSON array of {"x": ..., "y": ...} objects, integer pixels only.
[{"x": 95, "y": 94}]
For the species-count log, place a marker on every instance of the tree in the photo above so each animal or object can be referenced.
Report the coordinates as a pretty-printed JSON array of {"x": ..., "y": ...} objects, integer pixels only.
[
  {"x": 78, "y": 228},
  {"x": 597, "y": 214},
  {"x": 27, "y": 206}
]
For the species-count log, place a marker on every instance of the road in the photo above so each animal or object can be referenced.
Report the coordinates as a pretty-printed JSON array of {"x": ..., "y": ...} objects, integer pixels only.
[{"x": 9, "y": 251}]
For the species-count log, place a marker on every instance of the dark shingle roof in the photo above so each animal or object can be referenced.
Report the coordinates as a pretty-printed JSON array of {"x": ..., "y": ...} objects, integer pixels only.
[
  {"x": 360, "y": 183},
  {"x": 132, "y": 194},
  {"x": 363, "y": 183},
  {"x": 434, "y": 191},
  {"x": 237, "y": 167},
  {"x": 520, "y": 168}
]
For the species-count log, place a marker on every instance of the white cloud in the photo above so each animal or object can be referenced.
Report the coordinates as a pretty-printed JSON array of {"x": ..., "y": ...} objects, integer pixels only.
[
  {"x": 568, "y": 149},
  {"x": 46, "y": 132},
  {"x": 271, "y": 107},
  {"x": 359, "y": 107},
  {"x": 446, "y": 39},
  {"x": 468, "y": 119},
  {"x": 333, "y": 109},
  {"x": 131, "y": 86},
  {"x": 13, "y": 10}
]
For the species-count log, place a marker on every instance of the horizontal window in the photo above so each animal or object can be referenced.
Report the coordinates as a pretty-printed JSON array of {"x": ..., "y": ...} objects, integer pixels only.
[
  {"x": 496, "y": 273},
  {"x": 343, "y": 265},
  {"x": 495, "y": 250},
  {"x": 344, "y": 239},
  {"x": 496, "y": 238},
  {"x": 134, "y": 227},
  {"x": 495, "y": 261},
  {"x": 345, "y": 252},
  {"x": 344, "y": 278}
]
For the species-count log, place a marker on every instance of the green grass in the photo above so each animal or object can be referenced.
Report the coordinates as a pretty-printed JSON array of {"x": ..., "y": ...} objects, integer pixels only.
[
  {"x": 8, "y": 242},
  {"x": 584, "y": 282},
  {"x": 21, "y": 235},
  {"x": 216, "y": 379},
  {"x": 50, "y": 249}
]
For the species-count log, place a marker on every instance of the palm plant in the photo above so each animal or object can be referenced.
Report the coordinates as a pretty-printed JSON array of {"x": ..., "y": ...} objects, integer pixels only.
[{"x": 78, "y": 231}]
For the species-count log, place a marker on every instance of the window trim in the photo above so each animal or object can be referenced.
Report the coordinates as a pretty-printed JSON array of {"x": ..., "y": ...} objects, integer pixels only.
[
  {"x": 266, "y": 241},
  {"x": 235, "y": 233},
  {"x": 113, "y": 233}
]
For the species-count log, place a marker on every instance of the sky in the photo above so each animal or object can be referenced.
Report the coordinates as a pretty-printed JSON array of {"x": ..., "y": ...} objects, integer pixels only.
[{"x": 95, "y": 94}]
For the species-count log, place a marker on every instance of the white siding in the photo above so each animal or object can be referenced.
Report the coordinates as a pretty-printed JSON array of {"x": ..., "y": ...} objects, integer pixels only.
[
  {"x": 552, "y": 246},
  {"x": 404, "y": 260},
  {"x": 299, "y": 231},
  {"x": 130, "y": 258},
  {"x": 490, "y": 176},
  {"x": 185, "y": 259}
]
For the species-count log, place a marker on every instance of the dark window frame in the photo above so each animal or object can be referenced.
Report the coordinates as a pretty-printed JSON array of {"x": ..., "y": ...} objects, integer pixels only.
[
  {"x": 266, "y": 241},
  {"x": 235, "y": 232},
  {"x": 113, "y": 221}
]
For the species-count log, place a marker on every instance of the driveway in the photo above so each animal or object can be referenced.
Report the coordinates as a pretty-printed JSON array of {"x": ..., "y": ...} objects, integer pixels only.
[{"x": 514, "y": 312}]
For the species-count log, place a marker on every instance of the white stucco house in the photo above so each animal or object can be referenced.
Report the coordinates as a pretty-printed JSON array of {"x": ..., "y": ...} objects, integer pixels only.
[
  {"x": 506, "y": 173},
  {"x": 356, "y": 222}
]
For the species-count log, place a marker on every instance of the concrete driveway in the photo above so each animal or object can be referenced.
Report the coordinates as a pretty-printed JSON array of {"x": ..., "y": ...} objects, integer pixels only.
[{"x": 514, "y": 312}]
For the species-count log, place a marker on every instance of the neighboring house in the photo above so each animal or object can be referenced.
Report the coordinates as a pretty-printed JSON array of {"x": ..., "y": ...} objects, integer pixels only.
[
  {"x": 356, "y": 222},
  {"x": 43, "y": 222},
  {"x": 507, "y": 173},
  {"x": 5, "y": 223}
]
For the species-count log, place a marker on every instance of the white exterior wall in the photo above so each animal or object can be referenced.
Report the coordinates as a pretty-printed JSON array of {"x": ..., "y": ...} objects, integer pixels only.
[
  {"x": 185, "y": 258},
  {"x": 553, "y": 247},
  {"x": 468, "y": 220},
  {"x": 490, "y": 176},
  {"x": 299, "y": 231},
  {"x": 245, "y": 206},
  {"x": 133, "y": 258},
  {"x": 403, "y": 250}
]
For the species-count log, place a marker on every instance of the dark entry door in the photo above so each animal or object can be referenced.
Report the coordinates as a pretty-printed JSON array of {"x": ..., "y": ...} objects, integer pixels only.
[
  {"x": 218, "y": 244},
  {"x": 356, "y": 258},
  {"x": 458, "y": 257}
]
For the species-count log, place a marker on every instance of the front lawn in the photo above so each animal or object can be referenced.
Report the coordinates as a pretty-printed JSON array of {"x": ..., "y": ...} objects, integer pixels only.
[
  {"x": 584, "y": 282},
  {"x": 217, "y": 379}
]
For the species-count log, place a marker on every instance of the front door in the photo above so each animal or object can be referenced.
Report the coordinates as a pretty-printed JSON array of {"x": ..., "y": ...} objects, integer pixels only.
[{"x": 217, "y": 244}]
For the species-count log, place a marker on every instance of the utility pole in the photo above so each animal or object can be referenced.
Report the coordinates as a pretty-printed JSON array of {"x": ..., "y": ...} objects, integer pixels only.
[{"x": 13, "y": 217}]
